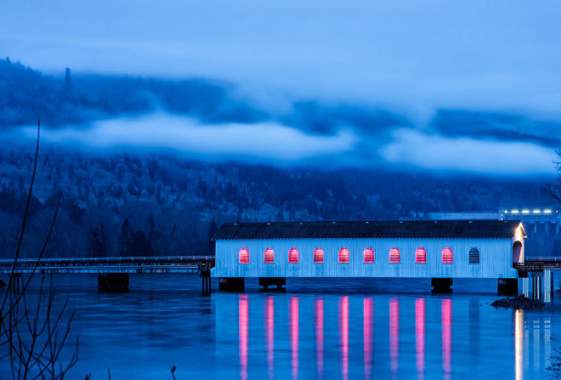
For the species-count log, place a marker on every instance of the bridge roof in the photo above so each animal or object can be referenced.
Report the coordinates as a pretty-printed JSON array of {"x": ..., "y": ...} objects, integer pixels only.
[{"x": 369, "y": 229}]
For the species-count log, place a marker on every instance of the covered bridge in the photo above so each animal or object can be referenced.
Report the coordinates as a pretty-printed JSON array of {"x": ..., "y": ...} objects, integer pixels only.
[{"x": 440, "y": 250}]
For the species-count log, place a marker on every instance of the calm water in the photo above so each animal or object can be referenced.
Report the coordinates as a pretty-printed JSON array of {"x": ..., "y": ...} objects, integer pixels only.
[{"x": 357, "y": 332}]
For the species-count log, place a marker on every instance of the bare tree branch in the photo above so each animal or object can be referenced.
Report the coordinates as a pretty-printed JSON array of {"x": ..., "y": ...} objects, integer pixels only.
[
  {"x": 32, "y": 336},
  {"x": 25, "y": 218}
]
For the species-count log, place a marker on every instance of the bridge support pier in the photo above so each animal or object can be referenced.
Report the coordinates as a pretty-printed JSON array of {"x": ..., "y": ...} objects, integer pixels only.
[
  {"x": 507, "y": 286},
  {"x": 279, "y": 282},
  {"x": 536, "y": 278},
  {"x": 441, "y": 285},
  {"x": 206, "y": 284},
  {"x": 538, "y": 286},
  {"x": 14, "y": 283},
  {"x": 231, "y": 284},
  {"x": 547, "y": 286},
  {"x": 524, "y": 286},
  {"x": 113, "y": 282}
]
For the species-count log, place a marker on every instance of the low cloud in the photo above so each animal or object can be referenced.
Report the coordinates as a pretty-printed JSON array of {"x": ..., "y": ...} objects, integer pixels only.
[
  {"x": 279, "y": 144},
  {"x": 267, "y": 141},
  {"x": 489, "y": 157}
]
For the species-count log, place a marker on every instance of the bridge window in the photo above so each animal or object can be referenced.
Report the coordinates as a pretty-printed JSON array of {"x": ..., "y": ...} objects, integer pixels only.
[
  {"x": 344, "y": 256},
  {"x": 474, "y": 256},
  {"x": 421, "y": 255},
  {"x": 447, "y": 256},
  {"x": 244, "y": 256},
  {"x": 318, "y": 255},
  {"x": 293, "y": 256},
  {"x": 368, "y": 254},
  {"x": 268, "y": 256},
  {"x": 395, "y": 257}
]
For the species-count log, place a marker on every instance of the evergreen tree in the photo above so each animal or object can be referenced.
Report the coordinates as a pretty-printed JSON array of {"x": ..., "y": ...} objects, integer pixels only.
[
  {"x": 98, "y": 244},
  {"x": 139, "y": 245},
  {"x": 124, "y": 238},
  {"x": 212, "y": 228}
]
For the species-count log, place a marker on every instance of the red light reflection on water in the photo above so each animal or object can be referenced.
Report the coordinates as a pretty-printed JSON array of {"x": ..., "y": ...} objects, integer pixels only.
[
  {"x": 270, "y": 334},
  {"x": 446, "y": 306},
  {"x": 319, "y": 337},
  {"x": 243, "y": 320},
  {"x": 367, "y": 311},
  {"x": 420, "y": 336},
  {"x": 294, "y": 335},
  {"x": 394, "y": 334},
  {"x": 344, "y": 334}
]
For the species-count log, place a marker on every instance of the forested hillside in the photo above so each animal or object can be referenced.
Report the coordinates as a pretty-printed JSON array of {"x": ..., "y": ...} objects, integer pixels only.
[
  {"x": 66, "y": 98},
  {"x": 123, "y": 204}
]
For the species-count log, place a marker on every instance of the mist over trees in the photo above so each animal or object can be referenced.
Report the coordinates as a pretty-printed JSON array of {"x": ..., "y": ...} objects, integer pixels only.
[
  {"x": 68, "y": 98},
  {"x": 74, "y": 99},
  {"x": 143, "y": 204}
]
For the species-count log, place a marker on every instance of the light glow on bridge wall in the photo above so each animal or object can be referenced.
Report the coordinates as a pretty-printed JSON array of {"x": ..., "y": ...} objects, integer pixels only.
[
  {"x": 318, "y": 255},
  {"x": 293, "y": 256},
  {"x": 395, "y": 256},
  {"x": 368, "y": 255},
  {"x": 421, "y": 255},
  {"x": 344, "y": 256},
  {"x": 244, "y": 256},
  {"x": 447, "y": 256},
  {"x": 269, "y": 256}
]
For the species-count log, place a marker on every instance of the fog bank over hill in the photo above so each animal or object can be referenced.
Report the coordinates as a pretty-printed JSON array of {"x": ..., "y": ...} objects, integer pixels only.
[
  {"x": 422, "y": 56},
  {"x": 210, "y": 120}
]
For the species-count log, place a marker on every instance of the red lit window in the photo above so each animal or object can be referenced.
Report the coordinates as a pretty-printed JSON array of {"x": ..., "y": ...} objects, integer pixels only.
[
  {"x": 447, "y": 256},
  {"x": 318, "y": 255},
  {"x": 269, "y": 256},
  {"x": 395, "y": 256},
  {"x": 244, "y": 256},
  {"x": 368, "y": 254},
  {"x": 293, "y": 256},
  {"x": 344, "y": 256},
  {"x": 421, "y": 256}
]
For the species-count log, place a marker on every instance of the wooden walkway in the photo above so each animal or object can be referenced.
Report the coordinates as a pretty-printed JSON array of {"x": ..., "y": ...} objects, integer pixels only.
[
  {"x": 539, "y": 264},
  {"x": 174, "y": 264},
  {"x": 151, "y": 264}
]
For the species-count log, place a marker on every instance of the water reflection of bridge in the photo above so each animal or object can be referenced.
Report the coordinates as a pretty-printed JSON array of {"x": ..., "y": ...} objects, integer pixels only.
[
  {"x": 531, "y": 345},
  {"x": 343, "y": 314}
]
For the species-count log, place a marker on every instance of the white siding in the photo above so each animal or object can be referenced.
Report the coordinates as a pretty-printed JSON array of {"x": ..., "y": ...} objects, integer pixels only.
[{"x": 495, "y": 258}]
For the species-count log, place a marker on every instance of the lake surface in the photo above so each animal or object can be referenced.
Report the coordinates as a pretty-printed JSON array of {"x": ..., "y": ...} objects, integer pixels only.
[{"x": 338, "y": 329}]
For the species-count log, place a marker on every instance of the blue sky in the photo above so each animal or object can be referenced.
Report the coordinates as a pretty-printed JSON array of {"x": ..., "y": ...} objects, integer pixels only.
[{"x": 414, "y": 57}]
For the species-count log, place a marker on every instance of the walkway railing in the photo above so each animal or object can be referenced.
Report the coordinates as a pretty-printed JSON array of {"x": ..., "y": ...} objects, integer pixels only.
[
  {"x": 538, "y": 264},
  {"x": 142, "y": 264}
]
